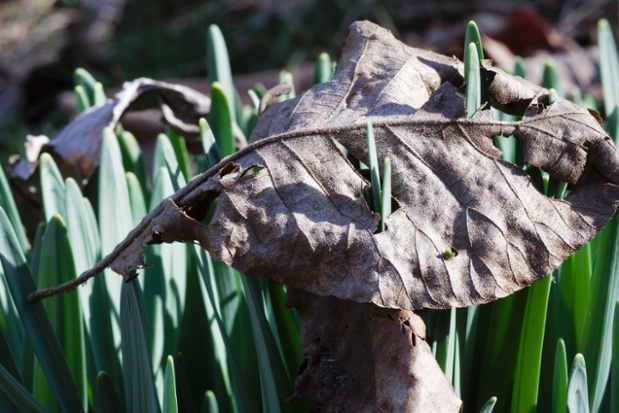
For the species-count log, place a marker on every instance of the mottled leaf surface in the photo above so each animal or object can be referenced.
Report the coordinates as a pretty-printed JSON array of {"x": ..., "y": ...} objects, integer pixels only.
[
  {"x": 303, "y": 220},
  {"x": 367, "y": 359}
]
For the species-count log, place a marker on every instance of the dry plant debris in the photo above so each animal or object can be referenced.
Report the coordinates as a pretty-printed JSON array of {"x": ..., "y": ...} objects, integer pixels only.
[{"x": 302, "y": 218}]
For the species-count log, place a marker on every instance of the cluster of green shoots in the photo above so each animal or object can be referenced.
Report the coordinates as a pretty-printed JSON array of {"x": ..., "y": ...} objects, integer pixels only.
[{"x": 195, "y": 335}]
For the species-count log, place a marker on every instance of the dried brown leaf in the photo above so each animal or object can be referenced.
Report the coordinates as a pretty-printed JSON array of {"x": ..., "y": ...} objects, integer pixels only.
[
  {"x": 77, "y": 146},
  {"x": 367, "y": 359},
  {"x": 303, "y": 220}
]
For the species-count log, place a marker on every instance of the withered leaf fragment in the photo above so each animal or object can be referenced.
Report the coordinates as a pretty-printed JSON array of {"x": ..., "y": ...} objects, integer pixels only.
[
  {"x": 303, "y": 220},
  {"x": 367, "y": 359},
  {"x": 77, "y": 146}
]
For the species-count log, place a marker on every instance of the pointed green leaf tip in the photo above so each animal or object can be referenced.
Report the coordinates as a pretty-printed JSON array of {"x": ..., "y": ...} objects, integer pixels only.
[
  {"x": 373, "y": 161},
  {"x": 218, "y": 65},
  {"x": 170, "y": 404},
  {"x": 221, "y": 121},
  {"x": 489, "y": 406},
  {"x": 577, "y": 393},
  {"x": 323, "y": 71},
  {"x": 472, "y": 36}
]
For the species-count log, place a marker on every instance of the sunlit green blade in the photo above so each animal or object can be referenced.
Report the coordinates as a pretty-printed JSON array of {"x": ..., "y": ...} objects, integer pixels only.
[
  {"x": 38, "y": 328},
  {"x": 285, "y": 77},
  {"x": 8, "y": 204},
  {"x": 161, "y": 144},
  {"x": 589, "y": 101},
  {"x": 373, "y": 164},
  {"x": 180, "y": 151},
  {"x": 7, "y": 359},
  {"x": 101, "y": 322},
  {"x": 255, "y": 100},
  {"x": 220, "y": 120},
  {"x": 136, "y": 198},
  {"x": 234, "y": 387},
  {"x": 386, "y": 194},
  {"x": 274, "y": 382},
  {"x": 614, "y": 378},
  {"x": 250, "y": 119},
  {"x": 82, "y": 78},
  {"x": 95, "y": 305},
  {"x": 577, "y": 395},
  {"x": 56, "y": 267},
  {"x": 576, "y": 97},
  {"x": 12, "y": 334},
  {"x": 472, "y": 36},
  {"x": 18, "y": 395},
  {"x": 551, "y": 79},
  {"x": 233, "y": 311},
  {"x": 84, "y": 238},
  {"x": 473, "y": 82},
  {"x": 137, "y": 371},
  {"x": 457, "y": 359},
  {"x": 218, "y": 66},
  {"x": 609, "y": 67},
  {"x": 467, "y": 332},
  {"x": 115, "y": 220},
  {"x": 52, "y": 188},
  {"x": 287, "y": 328},
  {"x": 9, "y": 316},
  {"x": 164, "y": 283},
  {"x": 553, "y": 95},
  {"x": 82, "y": 103},
  {"x": 41, "y": 389},
  {"x": 28, "y": 356},
  {"x": 209, "y": 403},
  {"x": 213, "y": 156},
  {"x": 260, "y": 90},
  {"x": 573, "y": 283},
  {"x": 210, "y": 295},
  {"x": 559, "y": 379},
  {"x": 107, "y": 400},
  {"x": 507, "y": 146},
  {"x": 444, "y": 327},
  {"x": 612, "y": 125},
  {"x": 239, "y": 108},
  {"x": 489, "y": 406},
  {"x": 133, "y": 159},
  {"x": 99, "y": 97},
  {"x": 323, "y": 71},
  {"x": 519, "y": 67},
  {"x": 169, "y": 388},
  {"x": 526, "y": 379},
  {"x": 597, "y": 331}
]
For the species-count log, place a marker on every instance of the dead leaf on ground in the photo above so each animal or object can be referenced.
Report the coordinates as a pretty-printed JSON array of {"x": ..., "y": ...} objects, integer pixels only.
[
  {"x": 77, "y": 146},
  {"x": 302, "y": 219},
  {"x": 367, "y": 359}
]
